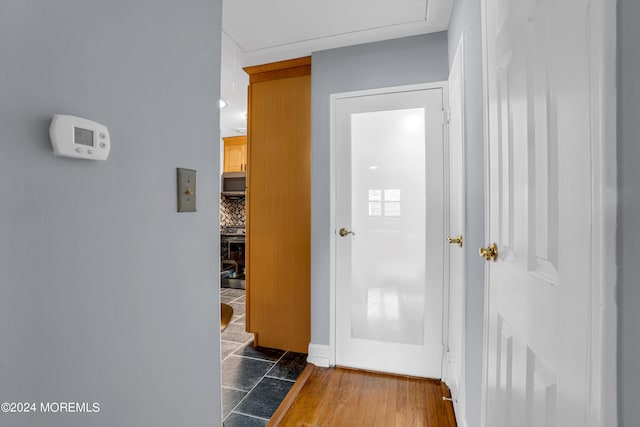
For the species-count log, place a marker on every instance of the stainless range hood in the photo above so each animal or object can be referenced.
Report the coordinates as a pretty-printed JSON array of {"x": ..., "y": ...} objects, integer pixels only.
[{"x": 234, "y": 184}]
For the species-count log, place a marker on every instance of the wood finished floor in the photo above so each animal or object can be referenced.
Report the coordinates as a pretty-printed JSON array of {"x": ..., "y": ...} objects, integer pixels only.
[{"x": 343, "y": 397}]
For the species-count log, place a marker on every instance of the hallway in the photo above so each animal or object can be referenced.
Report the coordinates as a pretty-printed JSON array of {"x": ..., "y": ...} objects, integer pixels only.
[{"x": 345, "y": 397}]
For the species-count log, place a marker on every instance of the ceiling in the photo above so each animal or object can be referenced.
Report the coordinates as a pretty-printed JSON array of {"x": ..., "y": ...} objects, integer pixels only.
[{"x": 258, "y": 32}]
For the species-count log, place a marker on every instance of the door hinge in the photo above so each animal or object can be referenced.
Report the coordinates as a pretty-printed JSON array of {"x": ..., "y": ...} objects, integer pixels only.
[
  {"x": 446, "y": 359},
  {"x": 446, "y": 115}
]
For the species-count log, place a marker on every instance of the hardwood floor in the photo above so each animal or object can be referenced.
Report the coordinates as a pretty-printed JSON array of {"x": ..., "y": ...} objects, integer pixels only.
[{"x": 339, "y": 397}]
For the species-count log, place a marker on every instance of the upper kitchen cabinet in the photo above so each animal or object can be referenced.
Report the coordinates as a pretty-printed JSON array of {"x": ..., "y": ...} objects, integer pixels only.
[
  {"x": 235, "y": 154},
  {"x": 279, "y": 204}
]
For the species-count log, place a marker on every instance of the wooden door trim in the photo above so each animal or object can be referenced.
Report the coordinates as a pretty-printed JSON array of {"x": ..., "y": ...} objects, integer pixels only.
[
  {"x": 288, "y": 400},
  {"x": 279, "y": 70}
]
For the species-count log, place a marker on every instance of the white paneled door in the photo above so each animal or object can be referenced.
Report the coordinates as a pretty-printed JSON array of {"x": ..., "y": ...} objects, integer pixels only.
[
  {"x": 389, "y": 220},
  {"x": 541, "y": 127}
]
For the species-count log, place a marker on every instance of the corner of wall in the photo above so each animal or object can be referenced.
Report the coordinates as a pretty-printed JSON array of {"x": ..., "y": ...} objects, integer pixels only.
[{"x": 319, "y": 355}]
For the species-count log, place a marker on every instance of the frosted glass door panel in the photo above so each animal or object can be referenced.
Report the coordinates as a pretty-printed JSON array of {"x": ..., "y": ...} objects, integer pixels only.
[
  {"x": 389, "y": 192},
  {"x": 388, "y": 212}
]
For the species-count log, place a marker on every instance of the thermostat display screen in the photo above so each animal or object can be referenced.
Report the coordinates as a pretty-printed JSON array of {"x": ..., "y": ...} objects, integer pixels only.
[{"x": 83, "y": 136}]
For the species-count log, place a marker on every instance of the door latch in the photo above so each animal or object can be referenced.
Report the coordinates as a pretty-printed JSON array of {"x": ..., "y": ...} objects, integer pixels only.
[
  {"x": 344, "y": 232},
  {"x": 455, "y": 240},
  {"x": 489, "y": 253}
]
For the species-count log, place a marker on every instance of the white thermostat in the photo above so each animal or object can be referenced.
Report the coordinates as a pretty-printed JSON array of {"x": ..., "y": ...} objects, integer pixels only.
[{"x": 80, "y": 138}]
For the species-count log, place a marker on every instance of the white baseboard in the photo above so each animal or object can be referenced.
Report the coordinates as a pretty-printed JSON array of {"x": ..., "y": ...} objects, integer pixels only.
[{"x": 319, "y": 355}]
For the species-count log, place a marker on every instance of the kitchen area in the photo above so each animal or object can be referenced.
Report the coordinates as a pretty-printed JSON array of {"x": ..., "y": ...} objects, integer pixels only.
[
  {"x": 233, "y": 213},
  {"x": 254, "y": 379},
  {"x": 264, "y": 232},
  {"x": 265, "y": 202}
]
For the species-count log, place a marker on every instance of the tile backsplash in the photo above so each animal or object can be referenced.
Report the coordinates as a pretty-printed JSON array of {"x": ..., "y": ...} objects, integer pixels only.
[{"x": 232, "y": 213}]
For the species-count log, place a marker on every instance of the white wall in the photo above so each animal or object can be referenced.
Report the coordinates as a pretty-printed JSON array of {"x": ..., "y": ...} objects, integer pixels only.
[{"x": 106, "y": 293}]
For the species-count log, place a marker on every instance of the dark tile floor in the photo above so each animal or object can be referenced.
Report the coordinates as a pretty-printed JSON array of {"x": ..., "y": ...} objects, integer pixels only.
[{"x": 254, "y": 380}]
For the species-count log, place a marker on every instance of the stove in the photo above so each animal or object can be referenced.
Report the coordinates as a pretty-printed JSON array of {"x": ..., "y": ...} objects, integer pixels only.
[
  {"x": 232, "y": 251},
  {"x": 232, "y": 231}
]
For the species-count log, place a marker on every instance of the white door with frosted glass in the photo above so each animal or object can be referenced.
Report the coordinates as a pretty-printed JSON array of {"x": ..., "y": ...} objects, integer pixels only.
[{"x": 389, "y": 225}]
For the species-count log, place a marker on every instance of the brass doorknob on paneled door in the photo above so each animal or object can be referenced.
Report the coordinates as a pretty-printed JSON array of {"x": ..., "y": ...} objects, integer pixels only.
[
  {"x": 490, "y": 252},
  {"x": 455, "y": 240},
  {"x": 343, "y": 232}
]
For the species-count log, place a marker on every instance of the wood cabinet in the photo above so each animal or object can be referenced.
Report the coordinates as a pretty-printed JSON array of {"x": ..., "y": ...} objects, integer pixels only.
[
  {"x": 278, "y": 205},
  {"x": 235, "y": 153}
]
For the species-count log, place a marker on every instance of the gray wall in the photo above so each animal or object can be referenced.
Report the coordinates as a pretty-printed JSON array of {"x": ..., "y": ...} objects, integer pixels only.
[
  {"x": 465, "y": 22},
  {"x": 629, "y": 213},
  {"x": 410, "y": 60},
  {"x": 106, "y": 293}
]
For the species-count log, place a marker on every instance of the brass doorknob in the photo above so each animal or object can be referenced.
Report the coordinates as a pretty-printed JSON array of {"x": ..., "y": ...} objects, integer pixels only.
[
  {"x": 455, "y": 240},
  {"x": 343, "y": 232},
  {"x": 490, "y": 252}
]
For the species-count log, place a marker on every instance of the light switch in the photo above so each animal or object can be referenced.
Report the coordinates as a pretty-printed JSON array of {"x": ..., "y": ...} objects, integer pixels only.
[{"x": 186, "y": 190}]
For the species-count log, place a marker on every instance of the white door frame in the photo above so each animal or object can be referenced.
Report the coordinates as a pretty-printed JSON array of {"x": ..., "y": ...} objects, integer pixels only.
[
  {"x": 458, "y": 393},
  {"x": 602, "y": 393},
  {"x": 319, "y": 354}
]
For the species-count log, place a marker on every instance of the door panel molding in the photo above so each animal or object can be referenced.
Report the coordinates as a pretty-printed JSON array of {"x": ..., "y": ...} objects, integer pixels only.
[{"x": 601, "y": 392}]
